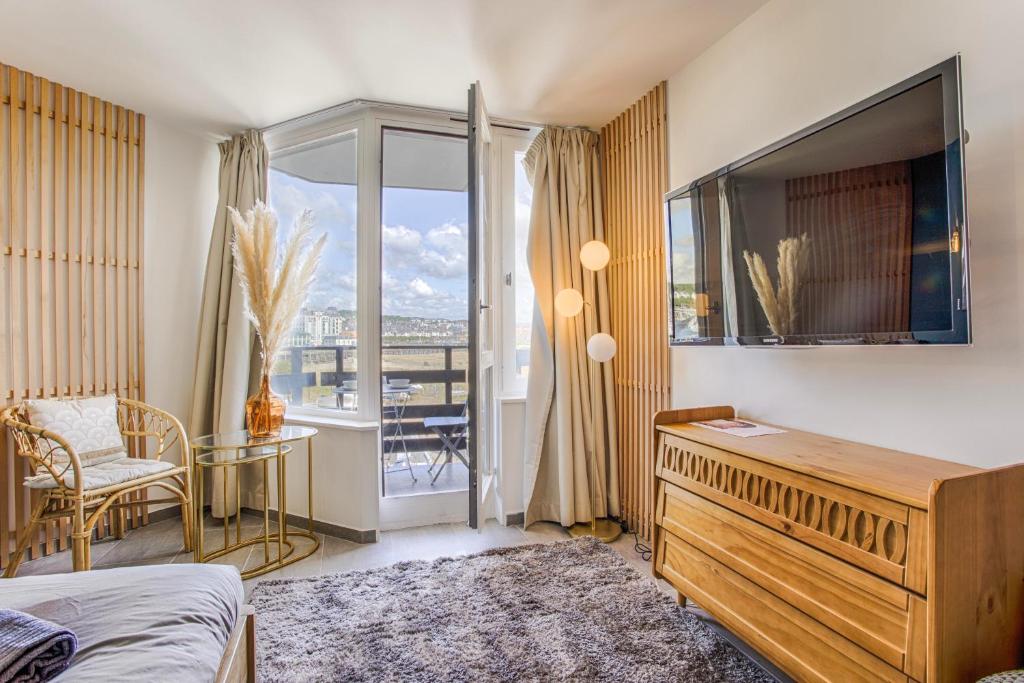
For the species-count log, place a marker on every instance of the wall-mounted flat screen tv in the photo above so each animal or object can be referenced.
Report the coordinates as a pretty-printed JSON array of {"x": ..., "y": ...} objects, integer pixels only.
[{"x": 851, "y": 231}]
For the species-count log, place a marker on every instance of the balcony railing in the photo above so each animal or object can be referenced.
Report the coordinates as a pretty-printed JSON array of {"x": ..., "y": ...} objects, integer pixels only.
[{"x": 302, "y": 371}]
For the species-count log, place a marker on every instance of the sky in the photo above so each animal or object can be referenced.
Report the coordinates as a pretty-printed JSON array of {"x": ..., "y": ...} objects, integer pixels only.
[
  {"x": 683, "y": 264},
  {"x": 424, "y": 252},
  {"x": 423, "y": 245},
  {"x": 334, "y": 212}
]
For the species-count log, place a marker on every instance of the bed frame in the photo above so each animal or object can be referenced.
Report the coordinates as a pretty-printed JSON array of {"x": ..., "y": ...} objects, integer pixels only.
[{"x": 239, "y": 661}]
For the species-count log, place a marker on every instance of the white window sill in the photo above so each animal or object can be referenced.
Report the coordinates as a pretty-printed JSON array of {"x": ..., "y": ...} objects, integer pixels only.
[
  {"x": 319, "y": 419},
  {"x": 512, "y": 398}
]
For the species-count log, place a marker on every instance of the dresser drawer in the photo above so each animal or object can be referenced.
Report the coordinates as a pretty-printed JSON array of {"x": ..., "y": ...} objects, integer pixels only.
[
  {"x": 797, "y": 643},
  {"x": 869, "y": 611},
  {"x": 868, "y": 531}
]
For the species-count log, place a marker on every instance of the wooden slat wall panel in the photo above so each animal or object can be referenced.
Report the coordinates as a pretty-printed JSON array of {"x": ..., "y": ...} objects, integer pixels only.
[
  {"x": 71, "y": 206},
  {"x": 635, "y": 177},
  {"x": 860, "y": 223}
]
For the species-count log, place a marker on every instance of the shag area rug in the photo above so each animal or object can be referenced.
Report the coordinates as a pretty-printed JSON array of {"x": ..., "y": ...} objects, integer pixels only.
[{"x": 567, "y": 611}]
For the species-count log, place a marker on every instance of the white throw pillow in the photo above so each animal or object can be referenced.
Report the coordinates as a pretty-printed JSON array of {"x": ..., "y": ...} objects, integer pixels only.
[{"x": 89, "y": 425}]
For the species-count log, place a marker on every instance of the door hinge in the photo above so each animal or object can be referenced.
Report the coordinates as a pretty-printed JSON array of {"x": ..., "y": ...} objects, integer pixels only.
[{"x": 508, "y": 279}]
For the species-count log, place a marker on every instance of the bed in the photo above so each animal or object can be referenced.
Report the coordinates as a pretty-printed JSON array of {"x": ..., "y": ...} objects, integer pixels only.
[{"x": 186, "y": 622}]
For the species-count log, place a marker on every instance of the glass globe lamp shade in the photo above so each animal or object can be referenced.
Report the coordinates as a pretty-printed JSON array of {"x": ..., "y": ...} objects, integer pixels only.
[
  {"x": 601, "y": 347},
  {"x": 594, "y": 255},
  {"x": 569, "y": 302}
]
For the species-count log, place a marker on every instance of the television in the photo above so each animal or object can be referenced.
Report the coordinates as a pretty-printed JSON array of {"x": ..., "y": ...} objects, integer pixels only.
[{"x": 851, "y": 231}]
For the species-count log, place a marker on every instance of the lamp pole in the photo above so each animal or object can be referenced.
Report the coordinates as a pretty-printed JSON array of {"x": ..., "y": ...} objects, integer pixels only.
[{"x": 594, "y": 256}]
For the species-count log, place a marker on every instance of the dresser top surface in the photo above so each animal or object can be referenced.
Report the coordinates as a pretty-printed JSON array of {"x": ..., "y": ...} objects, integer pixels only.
[{"x": 899, "y": 476}]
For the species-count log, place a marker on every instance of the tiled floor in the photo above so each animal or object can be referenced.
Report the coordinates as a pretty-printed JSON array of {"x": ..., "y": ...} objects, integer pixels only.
[
  {"x": 161, "y": 543},
  {"x": 397, "y": 482}
]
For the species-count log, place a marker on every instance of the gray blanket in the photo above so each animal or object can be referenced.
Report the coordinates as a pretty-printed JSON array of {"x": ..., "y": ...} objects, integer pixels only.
[
  {"x": 151, "y": 624},
  {"x": 32, "y": 649}
]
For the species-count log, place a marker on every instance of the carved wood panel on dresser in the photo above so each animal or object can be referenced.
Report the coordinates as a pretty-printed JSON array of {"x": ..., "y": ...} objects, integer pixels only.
[{"x": 840, "y": 561}]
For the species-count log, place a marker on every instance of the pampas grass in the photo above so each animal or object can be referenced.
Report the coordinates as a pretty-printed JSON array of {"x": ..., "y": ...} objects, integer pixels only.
[
  {"x": 780, "y": 305},
  {"x": 275, "y": 288}
]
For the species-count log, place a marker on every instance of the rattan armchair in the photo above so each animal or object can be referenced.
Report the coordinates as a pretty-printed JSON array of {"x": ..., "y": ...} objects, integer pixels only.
[{"x": 67, "y": 489}]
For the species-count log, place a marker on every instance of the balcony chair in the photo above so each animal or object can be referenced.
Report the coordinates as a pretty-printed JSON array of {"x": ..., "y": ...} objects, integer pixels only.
[
  {"x": 85, "y": 486},
  {"x": 453, "y": 432},
  {"x": 393, "y": 404}
]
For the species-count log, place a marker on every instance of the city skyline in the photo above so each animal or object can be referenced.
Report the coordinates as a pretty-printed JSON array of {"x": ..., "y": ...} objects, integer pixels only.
[{"x": 334, "y": 326}]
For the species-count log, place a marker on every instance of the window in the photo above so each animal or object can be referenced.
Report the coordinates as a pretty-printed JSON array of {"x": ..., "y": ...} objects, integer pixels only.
[
  {"x": 523, "y": 283},
  {"x": 320, "y": 361},
  {"x": 515, "y": 202}
]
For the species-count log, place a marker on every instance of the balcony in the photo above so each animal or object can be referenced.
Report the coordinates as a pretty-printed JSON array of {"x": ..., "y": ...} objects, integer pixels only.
[{"x": 309, "y": 375}]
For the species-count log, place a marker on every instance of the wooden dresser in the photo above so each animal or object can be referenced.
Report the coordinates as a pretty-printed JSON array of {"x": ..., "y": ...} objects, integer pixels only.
[{"x": 840, "y": 561}]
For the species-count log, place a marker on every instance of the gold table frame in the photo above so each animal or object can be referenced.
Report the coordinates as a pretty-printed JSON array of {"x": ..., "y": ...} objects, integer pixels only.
[{"x": 246, "y": 449}]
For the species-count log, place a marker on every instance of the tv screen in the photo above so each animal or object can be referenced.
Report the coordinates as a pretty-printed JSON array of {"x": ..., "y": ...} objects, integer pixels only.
[{"x": 849, "y": 232}]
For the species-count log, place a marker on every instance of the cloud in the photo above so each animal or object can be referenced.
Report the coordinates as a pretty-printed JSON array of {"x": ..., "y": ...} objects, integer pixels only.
[
  {"x": 426, "y": 268},
  {"x": 334, "y": 213},
  {"x": 333, "y": 288},
  {"x": 333, "y": 207},
  {"x": 421, "y": 269},
  {"x": 417, "y": 298},
  {"x": 440, "y": 253},
  {"x": 421, "y": 288},
  {"x": 683, "y": 263},
  {"x": 448, "y": 236},
  {"x": 400, "y": 242}
]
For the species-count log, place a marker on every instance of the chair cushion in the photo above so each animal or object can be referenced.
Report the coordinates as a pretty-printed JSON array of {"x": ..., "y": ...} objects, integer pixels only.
[
  {"x": 104, "y": 474},
  {"x": 89, "y": 425}
]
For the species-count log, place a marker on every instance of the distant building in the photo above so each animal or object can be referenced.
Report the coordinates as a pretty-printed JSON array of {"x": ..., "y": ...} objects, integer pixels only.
[
  {"x": 300, "y": 338},
  {"x": 330, "y": 327}
]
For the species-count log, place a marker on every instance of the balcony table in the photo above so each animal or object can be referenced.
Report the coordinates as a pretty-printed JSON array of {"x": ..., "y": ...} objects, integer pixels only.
[{"x": 386, "y": 390}]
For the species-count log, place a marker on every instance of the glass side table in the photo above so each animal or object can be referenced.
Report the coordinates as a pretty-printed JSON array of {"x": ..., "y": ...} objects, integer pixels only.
[{"x": 232, "y": 449}]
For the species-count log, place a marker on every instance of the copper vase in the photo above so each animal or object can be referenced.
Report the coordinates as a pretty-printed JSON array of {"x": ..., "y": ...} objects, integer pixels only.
[{"x": 264, "y": 411}]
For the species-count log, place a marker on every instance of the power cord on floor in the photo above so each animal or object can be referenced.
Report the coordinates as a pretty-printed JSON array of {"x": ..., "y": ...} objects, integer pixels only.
[{"x": 639, "y": 546}]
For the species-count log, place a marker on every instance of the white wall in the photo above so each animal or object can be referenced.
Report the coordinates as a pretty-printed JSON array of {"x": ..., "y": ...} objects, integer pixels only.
[
  {"x": 794, "y": 62},
  {"x": 511, "y": 420},
  {"x": 346, "y": 478},
  {"x": 181, "y": 196}
]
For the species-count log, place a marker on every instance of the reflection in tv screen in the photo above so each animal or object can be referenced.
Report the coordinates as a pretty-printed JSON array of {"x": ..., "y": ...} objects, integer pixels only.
[{"x": 845, "y": 235}]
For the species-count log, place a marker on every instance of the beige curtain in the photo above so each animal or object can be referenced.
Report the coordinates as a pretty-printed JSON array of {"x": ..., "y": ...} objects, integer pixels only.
[
  {"x": 570, "y": 399},
  {"x": 225, "y": 371}
]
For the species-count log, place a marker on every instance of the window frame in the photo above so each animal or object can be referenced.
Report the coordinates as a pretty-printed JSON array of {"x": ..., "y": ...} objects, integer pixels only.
[{"x": 511, "y": 142}]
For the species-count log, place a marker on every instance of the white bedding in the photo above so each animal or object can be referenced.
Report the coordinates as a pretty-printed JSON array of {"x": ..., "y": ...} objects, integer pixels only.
[{"x": 151, "y": 624}]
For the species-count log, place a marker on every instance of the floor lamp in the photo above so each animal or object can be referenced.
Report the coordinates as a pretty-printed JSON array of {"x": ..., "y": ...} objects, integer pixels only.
[{"x": 601, "y": 347}]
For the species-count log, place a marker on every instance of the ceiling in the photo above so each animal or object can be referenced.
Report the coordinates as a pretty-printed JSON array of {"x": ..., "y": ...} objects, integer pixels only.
[
  {"x": 220, "y": 66},
  {"x": 412, "y": 160}
]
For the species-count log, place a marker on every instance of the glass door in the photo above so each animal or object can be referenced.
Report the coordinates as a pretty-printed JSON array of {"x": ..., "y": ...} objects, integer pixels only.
[{"x": 480, "y": 404}]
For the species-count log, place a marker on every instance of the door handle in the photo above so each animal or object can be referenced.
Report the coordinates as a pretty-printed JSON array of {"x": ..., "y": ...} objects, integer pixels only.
[{"x": 484, "y": 307}]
